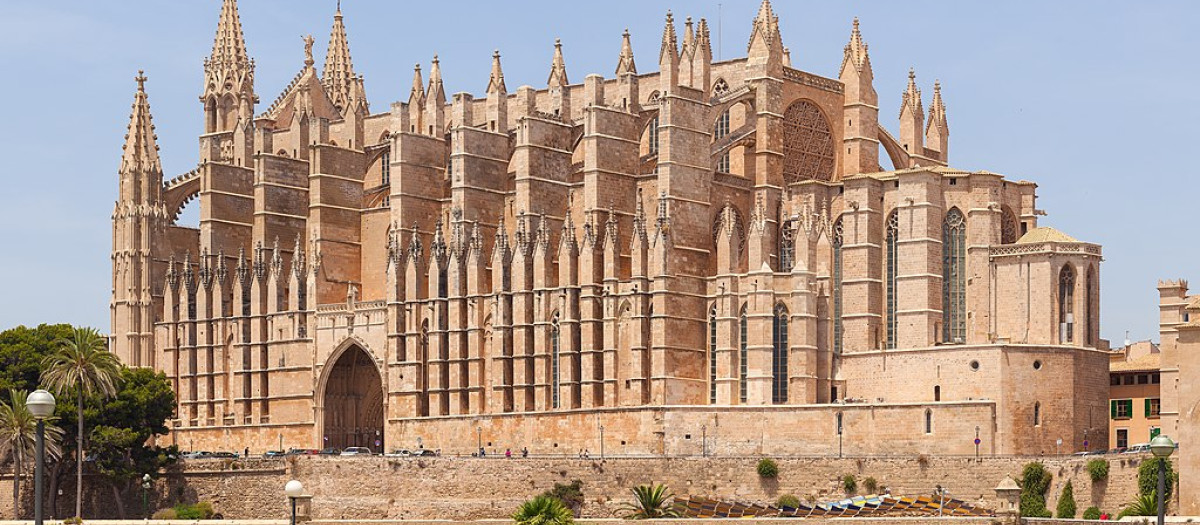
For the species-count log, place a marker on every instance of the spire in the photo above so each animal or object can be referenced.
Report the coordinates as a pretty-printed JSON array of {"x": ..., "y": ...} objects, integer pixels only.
[
  {"x": 417, "y": 95},
  {"x": 856, "y": 52},
  {"x": 669, "y": 50},
  {"x": 229, "y": 46},
  {"x": 435, "y": 82},
  {"x": 912, "y": 96},
  {"x": 496, "y": 80},
  {"x": 625, "y": 61},
  {"x": 558, "y": 67},
  {"x": 689, "y": 39},
  {"x": 338, "y": 75},
  {"x": 937, "y": 108},
  {"x": 937, "y": 135},
  {"x": 140, "y": 153},
  {"x": 766, "y": 46},
  {"x": 703, "y": 43}
]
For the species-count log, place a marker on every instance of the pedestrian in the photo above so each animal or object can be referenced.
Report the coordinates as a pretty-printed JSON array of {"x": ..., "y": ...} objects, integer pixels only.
[
  {"x": 508, "y": 453},
  {"x": 586, "y": 454},
  {"x": 524, "y": 452},
  {"x": 247, "y": 454}
]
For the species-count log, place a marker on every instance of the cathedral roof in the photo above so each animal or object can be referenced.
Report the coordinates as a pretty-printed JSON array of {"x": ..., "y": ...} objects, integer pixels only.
[{"x": 1045, "y": 234}]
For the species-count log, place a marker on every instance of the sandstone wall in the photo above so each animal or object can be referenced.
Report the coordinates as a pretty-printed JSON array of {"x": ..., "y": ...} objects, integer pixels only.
[{"x": 356, "y": 488}]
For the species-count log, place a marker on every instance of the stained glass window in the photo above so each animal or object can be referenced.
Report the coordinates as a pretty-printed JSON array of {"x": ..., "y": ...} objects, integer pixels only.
[
  {"x": 1066, "y": 304},
  {"x": 779, "y": 361},
  {"x": 807, "y": 144},
  {"x": 743, "y": 356},
  {"x": 712, "y": 355},
  {"x": 836, "y": 239},
  {"x": 890, "y": 237},
  {"x": 954, "y": 278},
  {"x": 555, "y": 332}
]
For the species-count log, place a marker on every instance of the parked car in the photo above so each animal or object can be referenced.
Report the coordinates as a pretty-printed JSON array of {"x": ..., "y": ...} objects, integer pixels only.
[
  {"x": 1138, "y": 448},
  {"x": 223, "y": 455},
  {"x": 356, "y": 451},
  {"x": 303, "y": 452},
  {"x": 330, "y": 451},
  {"x": 424, "y": 452},
  {"x": 399, "y": 453},
  {"x": 199, "y": 454},
  {"x": 273, "y": 454}
]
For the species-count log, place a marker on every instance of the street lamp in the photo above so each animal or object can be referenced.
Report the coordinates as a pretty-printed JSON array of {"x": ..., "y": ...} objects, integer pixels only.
[
  {"x": 1162, "y": 447},
  {"x": 145, "y": 487},
  {"x": 294, "y": 490},
  {"x": 41, "y": 405}
]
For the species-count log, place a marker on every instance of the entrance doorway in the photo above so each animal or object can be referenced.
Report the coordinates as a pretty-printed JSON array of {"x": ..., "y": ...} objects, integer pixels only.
[{"x": 354, "y": 402}]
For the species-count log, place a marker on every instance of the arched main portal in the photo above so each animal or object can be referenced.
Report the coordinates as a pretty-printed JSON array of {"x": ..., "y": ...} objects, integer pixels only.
[{"x": 353, "y": 403}]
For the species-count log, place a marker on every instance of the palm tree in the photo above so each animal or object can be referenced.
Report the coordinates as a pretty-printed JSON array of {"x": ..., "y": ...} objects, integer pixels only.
[
  {"x": 82, "y": 363},
  {"x": 1144, "y": 505},
  {"x": 651, "y": 502},
  {"x": 18, "y": 434},
  {"x": 543, "y": 510}
]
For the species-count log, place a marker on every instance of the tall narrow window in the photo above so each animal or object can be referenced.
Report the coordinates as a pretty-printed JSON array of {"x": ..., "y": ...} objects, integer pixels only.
[
  {"x": 385, "y": 168},
  {"x": 1066, "y": 304},
  {"x": 743, "y": 356},
  {"x": 443, "y": 284},
  {"x": 1037, "y": 414},
  {"x": 779, "y": 356},
  {"x": 891, "y": 234},
  {"x": 1008, "y": 226},
  {"x": 836, "y": 240},
  {"x": 928, "y": 421},
  {"x": 652, "y": 135},
  {"x": 954, "y": 277},
  {"x": 723, "y": 163},
  {"x": 1089, "y": 301},
  {"x": 712, "y": 355},
  {"x": 787, "y": 245},
  {"x": 937, "y": 392},
  {"x": 555, "y": 332},
  {"x": 722, "y": 127}
]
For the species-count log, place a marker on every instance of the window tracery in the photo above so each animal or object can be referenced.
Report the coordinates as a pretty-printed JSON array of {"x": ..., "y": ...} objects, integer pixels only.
[
  {"x": 836, "y": 240},
  {"x": 1066, "y": 304},
  {"x": 807, "y": 144},
  {"x": 779, "y": 354},
  {"x": 954, "y": 277},
  {"x": 892, "y": 233},
  {"x": 720, "y": 88}
]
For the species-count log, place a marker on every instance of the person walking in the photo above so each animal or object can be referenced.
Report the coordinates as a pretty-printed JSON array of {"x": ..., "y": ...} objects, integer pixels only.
[{"x": 508, "y": 453}]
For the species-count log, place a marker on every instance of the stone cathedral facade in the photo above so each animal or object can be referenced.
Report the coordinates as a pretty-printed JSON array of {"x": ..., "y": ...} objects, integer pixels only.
[{"x": 701, "y": 256}]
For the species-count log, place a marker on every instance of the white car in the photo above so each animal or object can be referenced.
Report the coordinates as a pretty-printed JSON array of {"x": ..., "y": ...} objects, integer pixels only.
[{"x": 356, "y": 451}]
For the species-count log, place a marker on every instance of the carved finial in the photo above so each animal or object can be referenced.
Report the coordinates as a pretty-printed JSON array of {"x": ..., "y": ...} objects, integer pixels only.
[
  {"x": 308, "y": 54},
  {"x": 141, "y": 80}
]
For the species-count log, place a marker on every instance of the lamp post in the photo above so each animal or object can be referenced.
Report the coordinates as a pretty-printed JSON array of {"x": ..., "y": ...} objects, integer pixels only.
[
  {"x": 704, "y": 441},
  {"x": 601, "y": 441},
  {"x": 145, "y": 502},
  {"x": 41, "y": 405},
  {"x": 479, "y": 438},
  {"x": 941, "y": 499},
  {"x": 1162, "y": 447},
  {"x": 293, "y": 489}
]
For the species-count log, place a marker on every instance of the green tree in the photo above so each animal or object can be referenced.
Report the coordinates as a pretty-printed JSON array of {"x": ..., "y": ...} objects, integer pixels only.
[
  {"x": 1144, "y": 505},
  {"x": 543, "y": 510},
  {"x": 18, "y": 435},
  {"x": 122, "y": 430},
  {"x": 651, "y": 501},
  {"x": 1148, "y": 478},
  {"x": 767, "y": 468},
  {"x": 1066, "y": 503},
  {"x": 82, "y": 364},
  {"x": 21, "y": 352},
  {"x": 1035, "y": 481},
  {"x": 570, "y": 494}
]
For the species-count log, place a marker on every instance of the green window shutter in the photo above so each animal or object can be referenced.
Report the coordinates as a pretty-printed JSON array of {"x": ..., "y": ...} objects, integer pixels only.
[
  {"x": 1147, "y": 407},
  {"x": 1112, "y": 409}
]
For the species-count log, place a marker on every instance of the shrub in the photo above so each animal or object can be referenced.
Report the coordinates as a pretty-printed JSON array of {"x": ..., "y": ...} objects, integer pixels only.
[
  {"x": 570, "y": 494},
  {"x": 870, "y": 485},
  {"x": 849, "y": 483},
  {"x": 74, "y": 520},
  {"x": 1098, "y": 470},
  {"x": 1066, "y": 503},
  {"x": 1144, "y": 505},
  {"x": 788, "y": 501},
  {"x": 1035, "y": 481},
  {"x": 651, "y": 501},
  {"x": 1148, "y": 478},
  {"x": 198, "y": 511},
  {"x": 166, "y": 514},
  {"x": 767, "y": 468},
  {"x": 1092, "y": 513},
  {"x": 543, "y": 510}
]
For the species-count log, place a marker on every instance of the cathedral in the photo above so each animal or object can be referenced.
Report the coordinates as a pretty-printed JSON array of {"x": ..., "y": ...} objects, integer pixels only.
[{"x": 698, "y": 257}]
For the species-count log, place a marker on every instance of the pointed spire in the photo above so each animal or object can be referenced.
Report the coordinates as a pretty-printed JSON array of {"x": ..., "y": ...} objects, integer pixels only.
[
  {"x": 436, "y": 89},
  {"x": 625, "y": 64},
  {"x": 766, "y": 26},
  {"x": 912, "y": 96},
  {"x": 140, "y": 153},
  {"x": 639, "y": 219},
  {"x": 703, "y": 40},
  {"x": 689, "y": 39},
  {"x": 669, "y": 42},
  {"x": 856, "y": 51},
  {"x": 500, "y": 244},
  {"x": 417, "y": 95},
  {"x": 558, "y": 66},
  {"x": 414, "y": 244},
  {"x": 338, "y": 75},
  {"x": 229, "y": 45},
  {"x": 937, "y": 108},
  {"x": 496, "y": 80}
]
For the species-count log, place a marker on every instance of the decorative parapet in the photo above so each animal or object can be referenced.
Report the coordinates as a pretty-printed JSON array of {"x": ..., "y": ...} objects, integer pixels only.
[
  {"x": 1009, "y": 250},
  {"x": 811, "y": 80}
]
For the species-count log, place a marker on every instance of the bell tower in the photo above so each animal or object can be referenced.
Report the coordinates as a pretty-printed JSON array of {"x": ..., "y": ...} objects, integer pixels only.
[{"x": 228, "y": 95}]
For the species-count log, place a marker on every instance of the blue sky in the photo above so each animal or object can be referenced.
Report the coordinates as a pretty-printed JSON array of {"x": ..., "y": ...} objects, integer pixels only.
[{"x": 1095, "y": 101}]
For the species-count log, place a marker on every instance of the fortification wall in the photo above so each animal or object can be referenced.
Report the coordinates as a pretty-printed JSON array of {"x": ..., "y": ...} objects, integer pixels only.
[{"x": 377, "y": 488}]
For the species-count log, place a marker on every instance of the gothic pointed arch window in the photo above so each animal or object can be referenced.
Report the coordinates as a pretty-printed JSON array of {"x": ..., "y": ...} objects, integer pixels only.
[
  {"x": 385, "y": 167},
  {"x": 1037, "y": 413},
  {"x": 555, "y": 361},
  {"x": 891, "y": 235},
  {"x": 928, "y": 421},
  {"x": 807, "y": 143},
  {"x": 1008, "y": 226},
  {"x": 712, "y": 355},
  {"x": 721, "y": 129},
  {"x": 652, "y": 136},
  {"x": 1089, "y": 300},
  {"x": 954, "y": 277},
  {"x": 743, "y": 355},
  {"x": 779, "y": 355},
  {"x": 836, "y": 239},
  {"x": 1066, "y": 304}
]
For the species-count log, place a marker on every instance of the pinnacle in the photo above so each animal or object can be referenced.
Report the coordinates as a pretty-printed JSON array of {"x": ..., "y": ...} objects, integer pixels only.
[
  {"x": 669, "y": 40},
  {"x": 558, "y": 66},
  {"x": 229, "y": 45},
  {"x": 625, "y": 63},
  {"x": 496, "y": 80},
  {"x": 338, "y": 74},
  {"x": 140, "y": 152}
]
